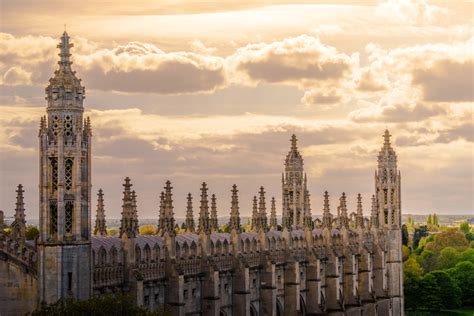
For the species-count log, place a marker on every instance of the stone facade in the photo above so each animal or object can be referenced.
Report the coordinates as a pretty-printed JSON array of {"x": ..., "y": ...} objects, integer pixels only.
[{"x": 343, "y": 264}]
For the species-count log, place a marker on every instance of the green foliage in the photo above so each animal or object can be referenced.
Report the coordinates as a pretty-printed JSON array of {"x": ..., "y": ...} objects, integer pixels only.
[
  {"x": 449, "y": 292},
  {"x": 112, "y": 231},
  {"x": 405, "y": 238},
  {"x": 429, "y": 291},
  {"x": 439, "y": 272},
  {"x": 448, "y": 238},
  {"x": 31, "y": 232},
  {"x": 463, "y": 273},
  {"x": 224, "y": 228},
  {"x": 420, "y": 232},
  {"x": 97, "y": 306},
  {"x": 466, "y": 229},
  {"x": 148, "y": 230},
  {"x": 427, "y": 260},
  {"x": 448, "y": 258}
]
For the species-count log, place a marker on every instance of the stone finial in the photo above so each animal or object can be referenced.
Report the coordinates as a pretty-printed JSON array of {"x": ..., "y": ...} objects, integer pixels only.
[
  {"x": 255, "y": 217},
  {"x": 386, "y": 137},
  {"x": 342, "y": 212},
  {"x": 213, "y": 219},
  {"x": 167, "y": 221},
  {"x": 234, "y": 222},
  {"x": 18, "y": 227},
  {"x": 327, "y": 216},
  {"x": 100, "y": 228},
  {"x": 204, "y": 220},
  {"x": 129, "y": 220},
  {"x": 189, "y": 215},
  {"x": 262, "y": 210},
  {"x": 273, "y": 218},
  {"x": 64, "y": 51},
  {"x": 359, "y": 213}
]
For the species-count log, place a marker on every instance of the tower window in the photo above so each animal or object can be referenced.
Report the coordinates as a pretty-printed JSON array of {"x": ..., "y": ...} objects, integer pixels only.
[
  {"x": 68, "y": 174},
  {"x": 69, "y": 281},
  {"x": 53, "y": 211},
  {"x": 54, "y": 175},
  {"x": 68, "y": 126},
  {"x": 69, "y": 208}
]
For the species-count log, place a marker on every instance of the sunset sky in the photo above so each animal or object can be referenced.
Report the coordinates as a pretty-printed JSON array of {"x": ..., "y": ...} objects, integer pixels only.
[{"x": 195, "y": 91}]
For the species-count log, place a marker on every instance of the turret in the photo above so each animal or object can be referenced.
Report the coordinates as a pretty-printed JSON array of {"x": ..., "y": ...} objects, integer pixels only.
[
  {"x": 129, "y": 221},
  {"x": 342, "y": 212},
  {"x": 255, "y": 217},
  {"x": 213, "y": 220},
  {"x": 100, "y": 228},
  {"x": 262, "y": 210},
  {"x": 359, "y": 213},
  {"x": 273, "y": 218},
  {"x": 166, "y": 220},
  {"x": 234, "y": 222},
  {"x": 189, "y": 223},
  {"x": 18, "y": 227},
  {"x": 327, "y": 216},
  {"x": 204, "y": 220}
]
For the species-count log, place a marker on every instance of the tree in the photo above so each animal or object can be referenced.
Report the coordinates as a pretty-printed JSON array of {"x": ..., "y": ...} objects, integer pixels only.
[
  {"x": 463, "y": 273},
  {"x": 404, "y": 235},
  {"x": 147, "y": 230},
  {"x": 112, "y": 231},
  {"x": 429, "y": 221},
  {"x": 420, "y": 232},
  {"x": 429, "y": 291},
  {"x": 31, "y": 232},
  {"x": 467, "y": 255},
  {"x": 448, "y": 238},
  {"x": 427, "y": 260},
  {"x": 412, "y": 269},
  {"x": 466, "y": 229},
  {"x": 448, "y": 258},
  {"x": 449, "y": 292}
]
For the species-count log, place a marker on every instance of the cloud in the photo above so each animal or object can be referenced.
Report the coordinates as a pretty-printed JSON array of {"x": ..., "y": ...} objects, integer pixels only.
[
  {"x": 317, "y": 97},
  {"x": 303, "y": 60},
  {"x": 16, "y": 76},
  {"x": 415, "y": 12},
  {"x": 397, "y": 113},
  {"x": 447, "y": 80},
  {"x": 134, "y": 67}
]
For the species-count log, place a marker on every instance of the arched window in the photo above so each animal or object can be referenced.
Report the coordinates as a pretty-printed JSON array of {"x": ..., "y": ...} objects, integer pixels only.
[
  {"x": 247, "y": 245},
  {"x": 193, "y": 249},
  {"x": 218, "y": 248},
  {"x": 254, "y": 246},
  {"x": 102, "y": 257},
  {"x": 138, "y": 254},
  {"x": 185, "y": 250},
  {"x": 147, "y": 252},
  {"x": 157, "y": 253},
  {"x": 178, "y": 251},
  {"x": 113, "y": 256},
  {"x": 226, "y": 246}
]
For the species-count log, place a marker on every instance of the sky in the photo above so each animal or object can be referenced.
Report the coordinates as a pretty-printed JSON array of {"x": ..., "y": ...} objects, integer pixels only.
[{"x": 195, "y": 91}]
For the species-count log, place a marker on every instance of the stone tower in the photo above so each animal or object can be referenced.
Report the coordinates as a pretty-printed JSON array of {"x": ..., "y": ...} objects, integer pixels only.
[
  {"x": 19, "y": 224},
  {"x": 64, "y": 243},
  {"x": 295, "y": 200},
  {"x": 388, "y": 206}
]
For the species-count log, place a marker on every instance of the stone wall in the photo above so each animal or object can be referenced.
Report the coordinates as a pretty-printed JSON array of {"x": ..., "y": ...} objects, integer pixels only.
[{"x": 18, "y": 290}]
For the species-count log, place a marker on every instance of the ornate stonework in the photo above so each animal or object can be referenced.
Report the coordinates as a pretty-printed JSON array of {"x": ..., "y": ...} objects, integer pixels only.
[{"x": 342, "y": 264}]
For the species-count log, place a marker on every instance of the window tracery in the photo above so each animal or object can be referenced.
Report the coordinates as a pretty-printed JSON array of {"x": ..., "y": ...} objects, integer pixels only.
[{"x": 68, "y": 218}]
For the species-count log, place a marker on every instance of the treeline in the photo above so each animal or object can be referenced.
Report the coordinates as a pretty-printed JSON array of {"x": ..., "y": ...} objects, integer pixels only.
[{"x": 438, "y": 268}]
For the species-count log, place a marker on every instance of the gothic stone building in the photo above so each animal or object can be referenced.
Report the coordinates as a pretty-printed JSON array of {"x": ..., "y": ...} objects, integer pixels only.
[{"x": 344, "y": 264}]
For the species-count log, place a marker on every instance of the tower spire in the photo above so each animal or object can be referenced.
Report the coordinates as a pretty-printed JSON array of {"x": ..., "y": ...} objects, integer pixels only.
[
  {"x": 214, "y": 222},
  {"x": 129, "y": 221},
  {"x": 327, "y": 216},
  {"x": 167, "y": 221},
  {"x": 273, "y": 218},
  {"x": 255, "y": 219},
  {"x": 343, "y": 217},
  {"x": 359, "y": 213},
  {"x": 204, "y": 222},
  {"x": 100, "y": 228},
  {"x": 18, "y": 227},
  {"x": 189, "y": 215},
  {"x": 262, "y": 210},
  {"x": 234, "y": 222}
]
